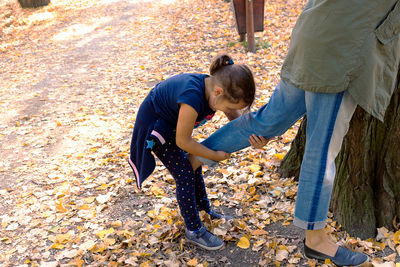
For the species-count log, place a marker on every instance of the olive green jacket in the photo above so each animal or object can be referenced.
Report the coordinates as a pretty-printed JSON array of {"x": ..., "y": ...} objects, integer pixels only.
[{"x": 353, "y": 45}]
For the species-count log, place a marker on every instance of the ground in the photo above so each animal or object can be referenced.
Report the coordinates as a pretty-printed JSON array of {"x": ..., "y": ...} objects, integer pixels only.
[{"x": 72, "y": 77}]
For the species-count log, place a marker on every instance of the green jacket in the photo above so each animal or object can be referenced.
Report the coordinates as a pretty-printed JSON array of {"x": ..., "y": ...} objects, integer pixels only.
[{"x": 353, "y": 45}]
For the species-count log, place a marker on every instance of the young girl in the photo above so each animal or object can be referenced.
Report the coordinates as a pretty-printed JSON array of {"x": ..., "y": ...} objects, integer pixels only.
[{"x": 164, "y": 125}]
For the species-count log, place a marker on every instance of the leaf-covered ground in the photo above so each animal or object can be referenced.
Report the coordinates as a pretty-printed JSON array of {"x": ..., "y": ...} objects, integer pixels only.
[{"x": 72, "y": 77}]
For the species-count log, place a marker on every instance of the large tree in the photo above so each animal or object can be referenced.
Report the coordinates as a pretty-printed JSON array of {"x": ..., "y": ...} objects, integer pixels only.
[{"x": 366, "y": 194}]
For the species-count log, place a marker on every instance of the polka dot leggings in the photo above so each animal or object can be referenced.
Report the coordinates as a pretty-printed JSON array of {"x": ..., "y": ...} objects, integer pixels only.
[{"x": 190, "y": 189}]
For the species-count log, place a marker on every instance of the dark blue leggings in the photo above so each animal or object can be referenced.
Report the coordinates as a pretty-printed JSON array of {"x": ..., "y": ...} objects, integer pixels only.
[{"x": 190, "y": 189}]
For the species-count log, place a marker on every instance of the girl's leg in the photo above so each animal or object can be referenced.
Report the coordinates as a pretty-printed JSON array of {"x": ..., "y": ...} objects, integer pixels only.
[
  {"x": 178, "y": 165},
  {"x": 202, "y": 200},
  {"x": 285, "y": 107},
  {"x": 201, "y": 194}
]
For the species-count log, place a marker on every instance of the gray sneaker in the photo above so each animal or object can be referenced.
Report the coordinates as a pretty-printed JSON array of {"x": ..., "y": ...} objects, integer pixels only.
[
  {"x": 204, "y": 239},
  {"x": 216, "y": 215}
]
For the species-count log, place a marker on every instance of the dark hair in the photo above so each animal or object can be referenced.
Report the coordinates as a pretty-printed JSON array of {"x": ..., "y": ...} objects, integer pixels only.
[{"x": 236, "y": 79}]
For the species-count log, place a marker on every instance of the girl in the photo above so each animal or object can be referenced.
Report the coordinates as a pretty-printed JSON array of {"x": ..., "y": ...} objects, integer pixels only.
[{"x": 164, "y": 125}]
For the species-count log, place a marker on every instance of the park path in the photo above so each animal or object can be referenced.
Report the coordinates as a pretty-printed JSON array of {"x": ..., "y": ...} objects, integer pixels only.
[
  {"x": 72, "y": 75},
  {"x": 75, "y": 66}
]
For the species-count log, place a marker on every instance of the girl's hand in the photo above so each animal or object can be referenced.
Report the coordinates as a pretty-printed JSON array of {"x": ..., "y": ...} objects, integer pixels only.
[
  {"x": 258, "y": 141},
  {"x": 194, "y": 161},
  {"x": 221, "y": 155}
]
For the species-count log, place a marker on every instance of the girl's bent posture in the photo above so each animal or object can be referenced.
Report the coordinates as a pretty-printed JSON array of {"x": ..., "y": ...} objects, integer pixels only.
[{"x": 164, "y": 125}]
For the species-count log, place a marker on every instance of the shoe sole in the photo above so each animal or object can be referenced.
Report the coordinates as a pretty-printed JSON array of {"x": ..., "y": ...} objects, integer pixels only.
[
  {"x": 205, "y": 247},
  {"x": 322, "y": 261}
]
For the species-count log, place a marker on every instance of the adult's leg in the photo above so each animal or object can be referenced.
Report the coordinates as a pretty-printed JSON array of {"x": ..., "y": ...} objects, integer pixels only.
[
  {"x": 328, "y": 118},
  {"x": 179, "y": 166},
  {"x": 285, "y": 107}
]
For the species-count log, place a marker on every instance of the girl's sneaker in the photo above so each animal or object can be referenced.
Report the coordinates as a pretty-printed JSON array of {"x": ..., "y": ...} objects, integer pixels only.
[
  {"x": 216, "y": 215},
  {"x": 204, "y": 239}
]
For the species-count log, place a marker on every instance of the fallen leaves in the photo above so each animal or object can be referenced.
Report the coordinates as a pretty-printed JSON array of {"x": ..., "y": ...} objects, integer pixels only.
[
  {"x": 74, "y": 75},
  {"x": 243, "y": 243},
  {"x": 396, "y": 238}
]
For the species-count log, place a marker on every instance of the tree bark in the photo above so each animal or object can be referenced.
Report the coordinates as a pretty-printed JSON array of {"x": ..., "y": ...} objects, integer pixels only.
[
  {"x": 366, "y": 194},
  {"x": 33, "y": 3}
]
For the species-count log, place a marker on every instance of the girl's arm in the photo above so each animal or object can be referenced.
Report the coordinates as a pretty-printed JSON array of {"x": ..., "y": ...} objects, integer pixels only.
[{"x": 184, "y": 128}]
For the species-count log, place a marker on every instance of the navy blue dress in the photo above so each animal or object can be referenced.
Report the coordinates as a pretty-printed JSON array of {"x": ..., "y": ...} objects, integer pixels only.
[{"x": 158, "y": 115}]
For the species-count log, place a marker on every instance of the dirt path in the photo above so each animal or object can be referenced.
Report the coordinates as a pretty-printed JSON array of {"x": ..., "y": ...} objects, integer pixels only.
[{"x": 72, "y": 77}]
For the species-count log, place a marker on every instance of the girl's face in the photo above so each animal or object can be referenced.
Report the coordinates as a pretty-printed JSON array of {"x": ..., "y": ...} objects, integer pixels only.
[{"x": 217, "y": 101}]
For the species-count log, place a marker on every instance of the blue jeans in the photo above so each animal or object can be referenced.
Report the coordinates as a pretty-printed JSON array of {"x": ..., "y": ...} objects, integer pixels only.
[{"x": 328, "y": 118}]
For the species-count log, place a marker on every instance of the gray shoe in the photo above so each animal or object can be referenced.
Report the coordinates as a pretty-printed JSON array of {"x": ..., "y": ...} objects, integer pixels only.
[
  {"x": 343, "y": 256},
  {"x": 204, "y": 239},
  {"x": 216, "y": 215}
]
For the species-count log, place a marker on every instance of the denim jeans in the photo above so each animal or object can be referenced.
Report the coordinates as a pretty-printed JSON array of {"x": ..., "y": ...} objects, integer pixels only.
[{"x": 328, "y": 118}]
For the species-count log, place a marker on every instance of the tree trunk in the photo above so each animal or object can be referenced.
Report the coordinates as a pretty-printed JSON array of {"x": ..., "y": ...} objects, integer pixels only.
[
  {"x": 33, "y": 3},
  {"x": 366, "y": 194}
]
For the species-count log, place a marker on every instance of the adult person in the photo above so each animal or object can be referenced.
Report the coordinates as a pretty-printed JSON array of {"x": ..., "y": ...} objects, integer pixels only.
[{"x": 342, "y": 53}]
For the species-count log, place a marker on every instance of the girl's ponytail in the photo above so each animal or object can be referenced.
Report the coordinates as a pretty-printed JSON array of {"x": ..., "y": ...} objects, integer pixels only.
[
  {"x": 236, "y": 79},
  {"x": 219, "y": 62}
]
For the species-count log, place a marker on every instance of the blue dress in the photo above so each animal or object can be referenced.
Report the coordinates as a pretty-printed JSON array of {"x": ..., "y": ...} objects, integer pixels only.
[{"x": 158, "y": 115}]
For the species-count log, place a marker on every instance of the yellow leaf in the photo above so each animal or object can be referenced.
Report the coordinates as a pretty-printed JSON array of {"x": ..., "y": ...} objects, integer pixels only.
[
  {"x": 396, "y": 237},
  {"x": 102, "y": 187},
  {"x": 242, "y": 225},
  {"x": 60, "y": 207},
  {"x": 145, "y": 254},
  {"x": 254, "y": 167},
  {"x": 98, "y": 248},
  {"x": 165, "y": 214},
  {"x": 57, "y": 246},
  {"x": 158, "y": 192},
  {"x": 279, "y": 156},
  {"x": 311, "y": 263},
  {"x": 62, "y": 238},
  {"x": 259, "y": 232},
  {"x": 243, "y": 243},
  {"x": 192, "y": 262},
  {"x": 84, "y": 207},
  {"x": 151, "y": 214},
  {"x": 397, "y": 264},
  {"x": 116, "y": 223},
  {"x": 89, "y": 199},
  {"x": 381, "y": 245},
  {"x": 101, "y": 234},
  {"x": 109, "y": 241},
  {"x": 88, "y": 245},
  {"x": 217, "y": 203}
]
